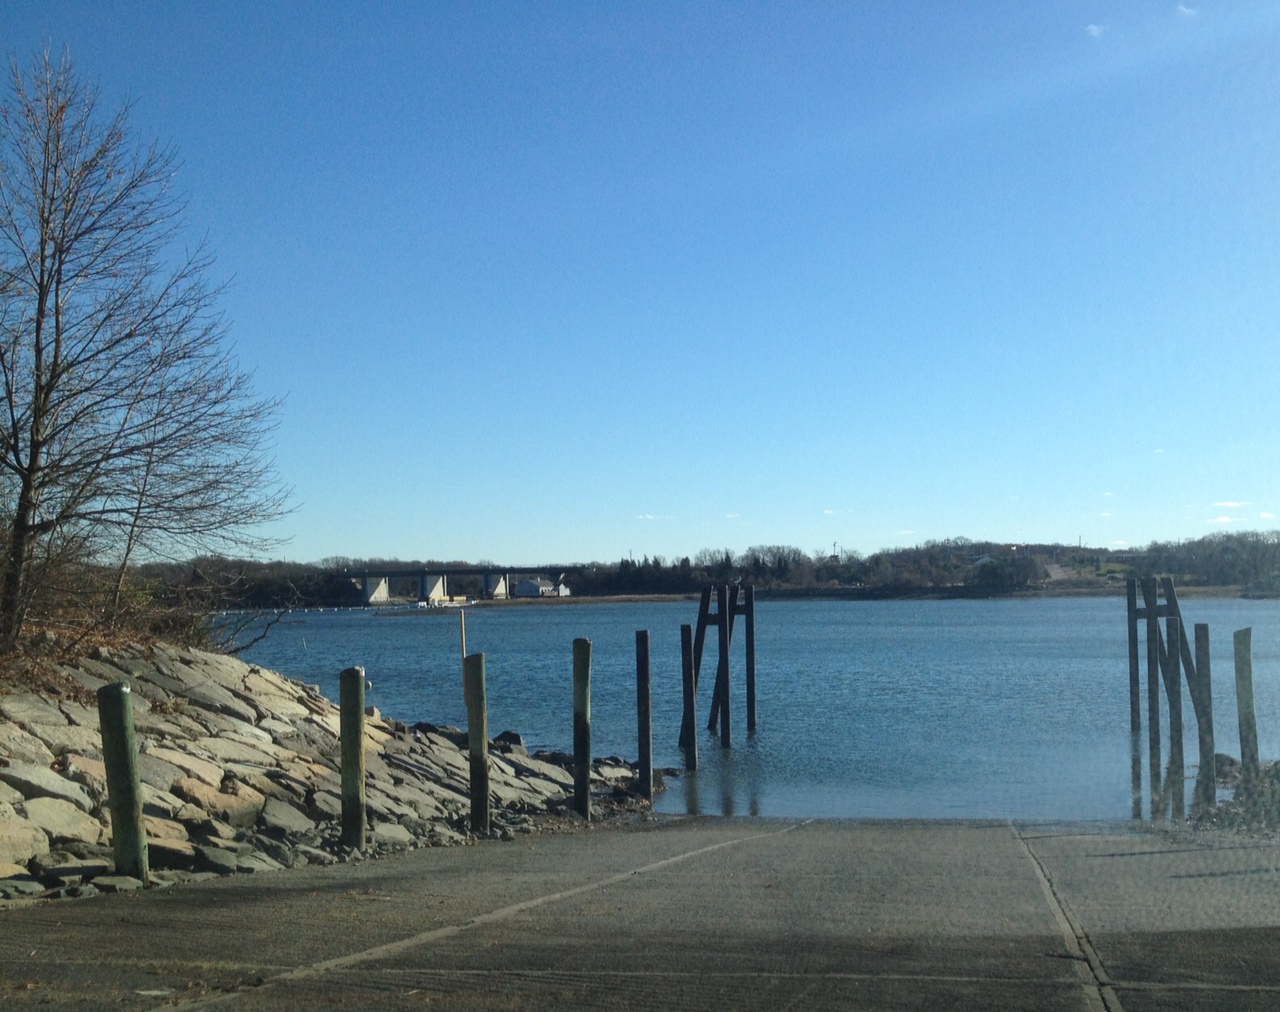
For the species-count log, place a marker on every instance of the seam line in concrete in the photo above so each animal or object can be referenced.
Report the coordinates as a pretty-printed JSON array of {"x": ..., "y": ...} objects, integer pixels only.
[
  {"x": 501, "y": 914},
  {"x": 1097, "y": 986}
]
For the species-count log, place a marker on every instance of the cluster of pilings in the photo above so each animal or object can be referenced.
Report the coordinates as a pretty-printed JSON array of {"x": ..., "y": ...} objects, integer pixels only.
[{"x": 1170, "y": 658}]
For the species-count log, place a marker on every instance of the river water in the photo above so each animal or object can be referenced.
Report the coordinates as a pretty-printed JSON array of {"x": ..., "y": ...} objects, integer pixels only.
[{"x": 887, "y": 709}]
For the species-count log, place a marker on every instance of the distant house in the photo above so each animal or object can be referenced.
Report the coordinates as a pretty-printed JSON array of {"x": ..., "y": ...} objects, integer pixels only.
[{"x": 536, "y": 586}]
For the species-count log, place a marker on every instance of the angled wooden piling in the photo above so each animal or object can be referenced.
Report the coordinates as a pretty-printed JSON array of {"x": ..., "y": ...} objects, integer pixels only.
[
  {"x": 688, "y": 725},
  {"x": 351, "y": 727},
  {"x": 124, "y": 791},
  {"x": 1155, "y": 772},
  {"x": 473, "y": 690},
  {"x": 720, "y": 694}
]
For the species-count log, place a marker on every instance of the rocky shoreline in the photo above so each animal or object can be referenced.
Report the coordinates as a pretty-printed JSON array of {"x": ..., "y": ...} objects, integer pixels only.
[{"x": 240, "y": 775}]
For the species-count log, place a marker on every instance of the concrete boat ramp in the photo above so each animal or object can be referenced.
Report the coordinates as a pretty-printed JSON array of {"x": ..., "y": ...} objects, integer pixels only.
[{"x": 693, "y": 914}]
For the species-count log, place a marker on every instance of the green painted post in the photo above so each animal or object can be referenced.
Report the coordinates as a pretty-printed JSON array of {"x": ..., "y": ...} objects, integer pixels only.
[
  {"x": 477, "y": 741},
  {"x": 582, "y": 727},
  {"x": 351, "y": 726},
  {"x": 120, "y": 756}
]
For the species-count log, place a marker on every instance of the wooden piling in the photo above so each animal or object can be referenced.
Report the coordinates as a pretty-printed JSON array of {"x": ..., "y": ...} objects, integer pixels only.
[
  {"x": 700, "y": 635},
  {"x": 1207, "y": 776},
  {"x": 644, "y": 713},
  {"x": 688, "y": 725},
  {"x": 351, "y": 728},
  {"x": 582, "y": 727},
  {"x": 1156, "y": 774},
  {"x": 720, "y": 698},
  {"x": 1177, "y": 779},
  {"x": 124, "y": 792},
  {"x": 749, "y": 630},
  {"x": 1135, "y": 701},
  {"x": 473, "y": 691},
  {"x": 1249, "y": 772}
]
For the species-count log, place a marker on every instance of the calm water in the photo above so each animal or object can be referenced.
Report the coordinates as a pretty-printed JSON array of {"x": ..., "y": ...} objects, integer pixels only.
[{"x": 913, "y": 709}]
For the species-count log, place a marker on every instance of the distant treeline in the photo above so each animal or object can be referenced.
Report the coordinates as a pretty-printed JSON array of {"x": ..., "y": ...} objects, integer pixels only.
[{"x": 1246, "y": 561}]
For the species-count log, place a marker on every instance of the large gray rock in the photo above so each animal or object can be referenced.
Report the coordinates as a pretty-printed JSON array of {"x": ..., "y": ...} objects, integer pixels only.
[
  {"x": 202, "y": 769},
  {"x": 390, "y": 833},
  {"x": 18, "y": 746},
  {"x": 60, "y": 820},
  {"x": 41, "y": 782},
  {"x": 21, "y": 840},
  {"x": 26, "y": 708},
  {"x": 281, "y": 817},
  {"x": 240, "y": 808},
  {"x": 63, "y": 738}
]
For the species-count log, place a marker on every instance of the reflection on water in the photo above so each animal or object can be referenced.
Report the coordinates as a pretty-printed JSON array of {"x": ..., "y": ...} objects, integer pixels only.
[{"x": 733, "y": 775}]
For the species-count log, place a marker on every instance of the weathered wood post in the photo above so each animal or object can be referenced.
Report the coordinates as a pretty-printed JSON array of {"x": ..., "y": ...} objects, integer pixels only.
[
  {"x": 120, "y": 756},
  {"x": 1135, "y": 700},
  {"x": 1153, "y": 697},
  {"x": 688, "y": 726},
  {"x": 1177, "y": 779},
  {"x": 720, "y": 694},
  {"x": 351, "y": 733},
  {"x": 749, "y": 630},
  {"x": 1243, "y": 643},
  {"x": 473, "y": 692},
  {"x": 582, "y": 727},
  {"x": 700, "y": 634},
  {"x": 644, "y": 713},
  {"x": 1207, "y": 777}
]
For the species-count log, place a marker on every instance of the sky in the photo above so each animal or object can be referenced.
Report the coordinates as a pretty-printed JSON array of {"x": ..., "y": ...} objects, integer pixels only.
[{"x": 583, "y": 281}]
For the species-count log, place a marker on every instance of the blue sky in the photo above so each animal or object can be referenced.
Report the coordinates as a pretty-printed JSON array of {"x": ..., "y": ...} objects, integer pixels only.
[{"x": 571, "y": 281}]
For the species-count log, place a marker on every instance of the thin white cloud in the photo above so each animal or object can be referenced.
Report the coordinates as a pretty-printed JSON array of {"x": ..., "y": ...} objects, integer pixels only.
[
  {"x": 829, "y": 513},
  {"x": 733, "y": 516},
  {"x": 1187, "y": 12},
  {"x": 1223, "y": 520},
  {"x": 906, "y": 532},
  {"x": 651, "y": 516},
  {"x": 1120, "y": 544},
  {"x": 1096, "y": 30},
  {"x": 1231, "y": 505},
  {"x": 1160, "y": 450},
  {"x": 1107, "y": 495},
  {"x": 1104, "y": 514},
  {"x": 1266, "y": 516}
]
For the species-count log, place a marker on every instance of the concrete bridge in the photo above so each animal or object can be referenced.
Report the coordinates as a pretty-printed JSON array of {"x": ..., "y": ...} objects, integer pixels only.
[{"x": 433, "y": 583}]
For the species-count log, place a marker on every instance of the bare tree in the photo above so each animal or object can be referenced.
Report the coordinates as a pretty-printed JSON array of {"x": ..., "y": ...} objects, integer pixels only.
[{"x": 125, "y": 424}]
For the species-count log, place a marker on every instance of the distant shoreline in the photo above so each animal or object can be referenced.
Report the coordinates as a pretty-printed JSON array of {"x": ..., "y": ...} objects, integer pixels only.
[{"x": 406, "y": 606}]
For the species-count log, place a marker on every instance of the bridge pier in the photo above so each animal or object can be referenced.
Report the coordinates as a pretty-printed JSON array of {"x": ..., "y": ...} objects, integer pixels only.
[
  {"x": 433, "y": 586},
  {"x": 376, "y": 588},
  {"x": 497, "y": 586}
]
